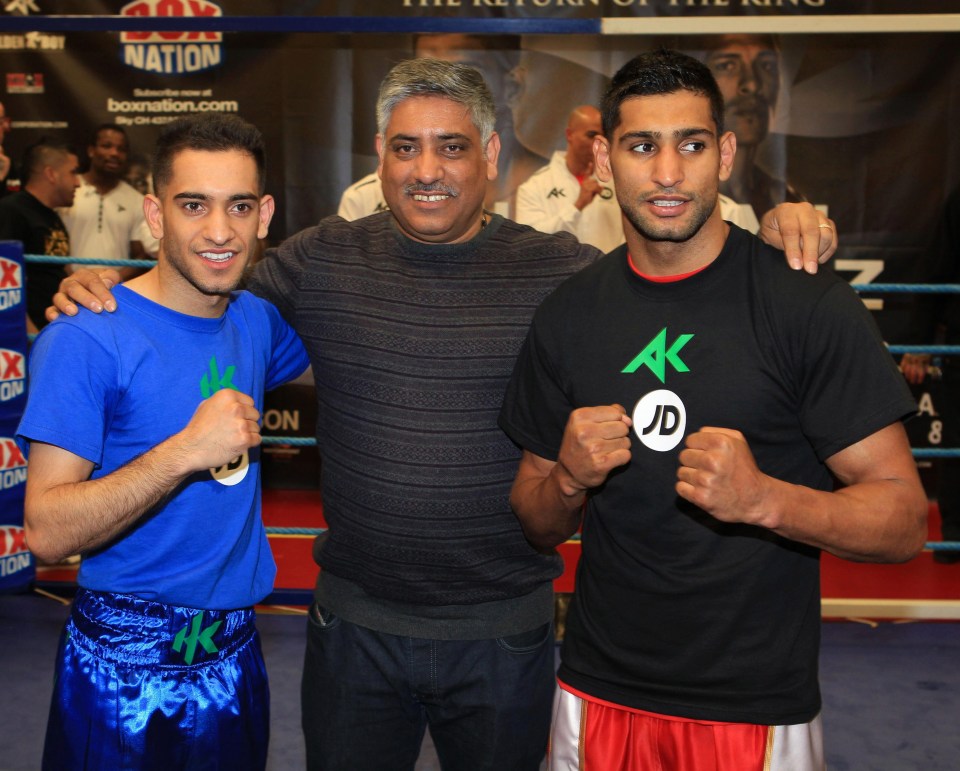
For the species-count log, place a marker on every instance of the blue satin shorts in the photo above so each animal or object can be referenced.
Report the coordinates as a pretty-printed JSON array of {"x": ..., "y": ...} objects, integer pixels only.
[{"x": 144, "y": 685}]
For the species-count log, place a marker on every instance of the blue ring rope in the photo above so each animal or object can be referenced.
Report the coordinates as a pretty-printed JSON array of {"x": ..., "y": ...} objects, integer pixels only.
[
  {"x": 314, "y": 531},
  {"x": 89, "y": 261},
  {"x": 310, "y": 441}
]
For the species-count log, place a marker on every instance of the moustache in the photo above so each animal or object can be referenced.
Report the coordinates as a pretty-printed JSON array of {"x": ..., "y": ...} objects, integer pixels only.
[
  {"x": 748, "y": 104},
  {"x": 432, "y": 188}
]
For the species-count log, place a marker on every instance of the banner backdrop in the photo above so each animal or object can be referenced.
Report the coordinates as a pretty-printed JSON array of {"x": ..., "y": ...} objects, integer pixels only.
[
  {"x": 17, "y": 567},
  {"x": 857, "y": 123}
]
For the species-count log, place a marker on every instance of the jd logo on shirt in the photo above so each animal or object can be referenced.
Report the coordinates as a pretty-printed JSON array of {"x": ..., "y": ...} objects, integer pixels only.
[{"x": 660, "y": 420}]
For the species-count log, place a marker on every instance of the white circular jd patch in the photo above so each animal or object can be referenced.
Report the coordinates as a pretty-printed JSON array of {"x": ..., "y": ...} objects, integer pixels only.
[
  {"x": 234, "y": 472},
  {"x": 660, "y": 420}
]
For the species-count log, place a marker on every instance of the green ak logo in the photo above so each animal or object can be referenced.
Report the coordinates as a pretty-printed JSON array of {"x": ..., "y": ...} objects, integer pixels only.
[
  {"x": 656, "y": 355},
  {"x": 203, "y": 637},
  {"x": 214, "y": 381}
]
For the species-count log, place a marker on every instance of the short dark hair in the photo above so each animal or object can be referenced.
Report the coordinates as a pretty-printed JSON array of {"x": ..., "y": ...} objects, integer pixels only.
[
  {"x": 44, "y": 152},
  {"x": 95, "y": 134},
  {"x": 212, "y": 132},
  {"x": 660, "y": 72}
]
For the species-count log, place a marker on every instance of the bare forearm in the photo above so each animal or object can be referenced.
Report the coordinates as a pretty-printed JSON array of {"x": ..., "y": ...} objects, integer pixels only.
[
  {"x": 876, "y": 521},
  {"x": 75, "y": 517},
  {"x": 548, "y": 514}
]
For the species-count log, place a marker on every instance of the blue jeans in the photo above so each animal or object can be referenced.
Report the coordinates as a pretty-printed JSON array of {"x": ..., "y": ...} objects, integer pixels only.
[{"x": 368, "y": 697}]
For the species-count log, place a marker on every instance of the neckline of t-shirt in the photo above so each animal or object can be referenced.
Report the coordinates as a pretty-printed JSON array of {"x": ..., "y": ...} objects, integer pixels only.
[{"x": 168, "y": 315}]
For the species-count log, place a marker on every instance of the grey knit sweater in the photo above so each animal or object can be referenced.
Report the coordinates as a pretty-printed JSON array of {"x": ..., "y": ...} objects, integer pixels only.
[{"x": 412, "y": 346}]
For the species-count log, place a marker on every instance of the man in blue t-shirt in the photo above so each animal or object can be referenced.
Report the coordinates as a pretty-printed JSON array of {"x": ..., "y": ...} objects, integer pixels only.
[
  {"x": 693, "y": 635},
  {"x": 150, "y": 470}
]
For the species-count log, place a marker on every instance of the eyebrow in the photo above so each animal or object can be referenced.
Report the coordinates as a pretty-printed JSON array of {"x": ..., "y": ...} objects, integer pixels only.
[
  {"x": 677, "y": 134},
  {"x": 440, "y": 137},
  {"x": 188, "y": 196}
]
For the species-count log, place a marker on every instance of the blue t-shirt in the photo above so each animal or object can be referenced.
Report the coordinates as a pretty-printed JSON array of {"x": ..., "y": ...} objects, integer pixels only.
[{"x": 109, "y": 387}]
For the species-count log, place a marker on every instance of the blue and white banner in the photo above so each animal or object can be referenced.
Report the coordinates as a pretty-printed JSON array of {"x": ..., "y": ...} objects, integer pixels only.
[{"x": 17, "y": 568}]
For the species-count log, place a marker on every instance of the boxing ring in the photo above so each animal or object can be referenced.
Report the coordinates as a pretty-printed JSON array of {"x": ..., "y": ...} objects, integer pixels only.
[
  {"x": 296, "y": 570},
  {"x": 641, "y": 23}
]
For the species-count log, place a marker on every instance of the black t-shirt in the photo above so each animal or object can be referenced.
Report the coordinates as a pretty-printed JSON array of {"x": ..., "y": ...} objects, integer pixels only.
[
  {"x": 674, "y": 611},
  {"x": 24, "y": 218}
]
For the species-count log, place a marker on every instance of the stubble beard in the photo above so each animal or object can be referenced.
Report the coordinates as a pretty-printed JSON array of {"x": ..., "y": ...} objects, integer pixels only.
[{"x": 656, "y": 230}]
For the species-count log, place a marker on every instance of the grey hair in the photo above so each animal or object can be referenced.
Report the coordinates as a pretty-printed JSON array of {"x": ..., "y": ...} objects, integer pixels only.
[{"x": 436, "y": 77}]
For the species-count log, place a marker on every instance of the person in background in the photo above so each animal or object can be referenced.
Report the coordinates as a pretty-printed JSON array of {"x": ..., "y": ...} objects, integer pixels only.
[
  {"x": 30, "y": 216},
  {"x": 565, "y": 194},
  {"x": 138, "y": 174},
  {"x": 106, "y": 219},
  {"x": 363, "y": 198},
  {"x": 6, "y": 176},
  {"x": 747, "y": 71}
]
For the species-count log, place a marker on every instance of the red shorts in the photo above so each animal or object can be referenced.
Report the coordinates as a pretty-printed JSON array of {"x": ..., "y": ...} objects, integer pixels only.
[{"x": 592, "y": 735}]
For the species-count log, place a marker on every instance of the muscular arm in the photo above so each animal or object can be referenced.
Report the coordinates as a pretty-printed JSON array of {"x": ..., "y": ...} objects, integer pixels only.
[
  {"x": 548, "y": 496},
  {"x": 66, "y": 512},
  {"x": 878, "y": 516}
]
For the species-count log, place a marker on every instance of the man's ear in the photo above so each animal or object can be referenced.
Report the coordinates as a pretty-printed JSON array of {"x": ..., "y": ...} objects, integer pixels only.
[
  {"x": 378, "y": 143},
  {"x": 490, "y": 153},
  {"x": 601, "y": 159},
  {"x": 267, "y": 207},
  {"x": 728, "y": 151},
  {"x": 153, "y": 213}
]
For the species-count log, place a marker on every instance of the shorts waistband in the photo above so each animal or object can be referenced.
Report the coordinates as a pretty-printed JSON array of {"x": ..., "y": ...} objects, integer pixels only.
[{"x": 123, "y": 628}]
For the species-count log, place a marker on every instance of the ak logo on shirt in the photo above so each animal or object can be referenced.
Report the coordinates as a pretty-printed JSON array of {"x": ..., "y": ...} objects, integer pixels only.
[
  {"x": 659, "y": 417},
  {"x": 212, "y": 381},
  {"x": 556, "y": 193}
]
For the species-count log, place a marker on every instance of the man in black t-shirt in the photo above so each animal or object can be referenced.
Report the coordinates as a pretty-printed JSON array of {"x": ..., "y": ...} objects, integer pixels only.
[
  {"x": 693, "y": 635},
  {"x": 50, "y": 171}
]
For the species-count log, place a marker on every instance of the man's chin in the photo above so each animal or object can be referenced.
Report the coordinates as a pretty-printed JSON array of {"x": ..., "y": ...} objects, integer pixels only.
[{"x": 659, "y": 232}]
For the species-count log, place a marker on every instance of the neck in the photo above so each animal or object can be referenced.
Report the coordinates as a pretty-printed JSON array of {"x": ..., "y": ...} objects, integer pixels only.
[
  {"x": 177, "y": 295},
  {"x": 41, "y": 194},
  {"x": 103, "y": 183},
  {"x": 576, "y": 168},
  {"x": 673, "y": 258}
]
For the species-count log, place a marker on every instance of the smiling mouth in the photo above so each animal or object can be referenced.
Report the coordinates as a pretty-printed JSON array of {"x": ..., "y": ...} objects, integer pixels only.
[
  {"x": 430, "y": 197},
  {"x": 666, "y": 204},
  {"x": 218, "y": 256}
]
